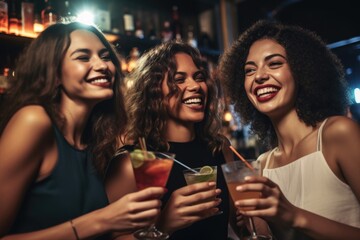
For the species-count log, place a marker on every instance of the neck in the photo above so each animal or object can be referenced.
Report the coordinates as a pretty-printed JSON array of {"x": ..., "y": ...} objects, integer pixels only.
[
  {"x": 178, "y": 132},
  {"x": 76, "y": 117},
  {"x": 290, "y": 130}
]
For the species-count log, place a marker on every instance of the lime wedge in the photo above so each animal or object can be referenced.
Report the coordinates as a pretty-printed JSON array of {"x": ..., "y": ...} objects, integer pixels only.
[
  {"x": 137, "y": 159},
  {"x": 206, "y": 170},
  {"x": 150, "y": 155}
]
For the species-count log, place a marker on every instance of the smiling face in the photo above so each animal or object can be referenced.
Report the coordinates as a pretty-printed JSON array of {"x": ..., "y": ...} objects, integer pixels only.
[
  {"x": 268, "y": 80},
  {"x": 189, "y": 107},
  {"x": 87, "y": 70}
]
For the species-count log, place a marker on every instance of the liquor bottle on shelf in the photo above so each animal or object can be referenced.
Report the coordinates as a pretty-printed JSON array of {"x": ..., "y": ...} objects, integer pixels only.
[
  {"x": 27, "y": 18},
  {"x": 4, "y": 81},
  {"x": 139, "y": 32},
  {"x": 152, "y": 31},
  {"x": 67, "y": 13},
  {"x": 38, "y": 26},
  {"x": 49, "y": 14},
  {"x": 190, "y": 37},
  {"x": 4, "y": 24},
  {"x": 166, "y": 33},
  {"x": 176, "y": 25},
  {"x": 13, "y": 19},
  {"x": 133, "y": 59},
  {"x": 129, "y": 25}
]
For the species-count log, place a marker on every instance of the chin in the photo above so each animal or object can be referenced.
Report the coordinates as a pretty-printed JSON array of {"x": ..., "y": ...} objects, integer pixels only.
[
  {"x": 108, "y": 96},
  {"x": 196, "y": 119}
]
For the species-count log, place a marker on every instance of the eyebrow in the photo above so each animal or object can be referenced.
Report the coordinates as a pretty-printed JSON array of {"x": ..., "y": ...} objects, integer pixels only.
[
  {"x": 85, "y": 50},
  {"x": 267, "y": 58},
  {"x": 80, "y": 50},
  {"x": 195, "y": 72}
]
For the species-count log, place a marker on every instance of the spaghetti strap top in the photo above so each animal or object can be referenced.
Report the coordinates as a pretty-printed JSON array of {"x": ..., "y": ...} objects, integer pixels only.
[{"x": 310, "y": 184}]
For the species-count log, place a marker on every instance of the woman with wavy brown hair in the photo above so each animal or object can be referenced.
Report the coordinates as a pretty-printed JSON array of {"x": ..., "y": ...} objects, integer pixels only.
[
  {"x": 60, "y": 125},
  {"x": 174, "y": 104}
]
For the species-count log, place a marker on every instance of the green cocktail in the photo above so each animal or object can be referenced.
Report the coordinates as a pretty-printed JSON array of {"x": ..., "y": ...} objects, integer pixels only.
[{"x": 203, "y": 174}]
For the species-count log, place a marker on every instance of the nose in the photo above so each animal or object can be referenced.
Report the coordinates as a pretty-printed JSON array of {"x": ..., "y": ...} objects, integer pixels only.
[
  {"x": 99, "y": 64},
  {"x": 193, "y": 85},
  {"x": 261, "y": 75}
]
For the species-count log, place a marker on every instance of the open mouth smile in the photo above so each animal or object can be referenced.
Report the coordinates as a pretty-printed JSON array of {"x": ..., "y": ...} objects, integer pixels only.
[{"x": 265, "y": 93}]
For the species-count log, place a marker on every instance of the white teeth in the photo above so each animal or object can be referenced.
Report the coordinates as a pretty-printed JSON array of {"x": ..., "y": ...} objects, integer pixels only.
[
  {"x": 103, "y": 80},
  {"x": 266, "y": 90},
  {"x": 193, "y": 100}
]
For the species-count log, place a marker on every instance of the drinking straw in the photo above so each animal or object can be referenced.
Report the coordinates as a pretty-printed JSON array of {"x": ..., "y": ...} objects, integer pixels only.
[
  {"x": 142, "y": 144},
  {"x": 143, "y": 147},
  {"x": 241, "y": 158},
  {"x": 178, "y": 162}
]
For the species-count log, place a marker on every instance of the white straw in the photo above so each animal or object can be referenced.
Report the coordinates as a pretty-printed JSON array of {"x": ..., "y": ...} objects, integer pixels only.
[{"x": 180, "y": 163}]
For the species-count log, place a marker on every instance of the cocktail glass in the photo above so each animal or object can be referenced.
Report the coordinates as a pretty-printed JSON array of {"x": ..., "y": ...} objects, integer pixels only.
[
  {"x": 151, "y": 169},
  {"x": 203, "y": 174},
  {"x": 234, "y": 173}
]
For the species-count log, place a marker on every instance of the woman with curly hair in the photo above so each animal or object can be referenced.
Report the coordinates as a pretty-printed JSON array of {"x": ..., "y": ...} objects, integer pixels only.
[
  {"x": 174, "y": 104},
  {"x": 60, "y": 125},
  {"x": 290, "y": 88}
]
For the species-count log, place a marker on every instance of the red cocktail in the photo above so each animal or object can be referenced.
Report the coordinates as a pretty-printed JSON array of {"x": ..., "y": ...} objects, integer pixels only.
[{"x": 152, "y": 170}]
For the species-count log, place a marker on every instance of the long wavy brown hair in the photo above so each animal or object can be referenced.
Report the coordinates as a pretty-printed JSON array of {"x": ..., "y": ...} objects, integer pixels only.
[
  {"x": 36, "y": 81},
  {"x": 147, "y": 106}
]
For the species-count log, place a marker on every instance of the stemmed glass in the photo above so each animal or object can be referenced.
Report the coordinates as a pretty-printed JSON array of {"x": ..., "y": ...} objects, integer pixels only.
[
  {"x": 151, "y": 169},
  {"x": 234, "y": 173}
]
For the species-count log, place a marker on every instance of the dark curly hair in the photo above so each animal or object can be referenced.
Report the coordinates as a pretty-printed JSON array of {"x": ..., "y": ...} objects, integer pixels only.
[
  {"x": 318, "y": 74},
  {"x": 36, "y": 82},
  {"x": 147, "y": 106}
]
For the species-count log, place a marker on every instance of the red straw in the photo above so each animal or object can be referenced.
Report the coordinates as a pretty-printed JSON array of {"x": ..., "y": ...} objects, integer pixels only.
[{"x": 241, "y": 158}]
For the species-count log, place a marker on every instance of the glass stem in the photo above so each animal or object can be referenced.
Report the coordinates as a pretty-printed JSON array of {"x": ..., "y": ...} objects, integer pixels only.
[{"x": 253, "y": 229}]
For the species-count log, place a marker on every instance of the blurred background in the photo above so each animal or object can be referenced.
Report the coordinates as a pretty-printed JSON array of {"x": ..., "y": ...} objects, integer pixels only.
[{"x": 210, "y": 25}]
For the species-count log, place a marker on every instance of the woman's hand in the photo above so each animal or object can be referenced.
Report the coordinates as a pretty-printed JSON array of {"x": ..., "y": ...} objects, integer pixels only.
[
  {"x": 189, "y": 204},
  {"x": 135, "y": 210},
  {"x": 272, "y": 206}
]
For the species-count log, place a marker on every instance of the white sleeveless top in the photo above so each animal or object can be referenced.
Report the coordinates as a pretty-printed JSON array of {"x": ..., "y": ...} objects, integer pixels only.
[{"x": 310, "y": 184}]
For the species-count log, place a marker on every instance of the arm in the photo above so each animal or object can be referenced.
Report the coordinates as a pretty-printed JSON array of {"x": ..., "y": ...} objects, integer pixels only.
[
  {"x": 26, "y": 143},
  {"x": 132, "y": 212},
  {"x": 341, "y": 140},
  {"x": 22, "y": 152}
]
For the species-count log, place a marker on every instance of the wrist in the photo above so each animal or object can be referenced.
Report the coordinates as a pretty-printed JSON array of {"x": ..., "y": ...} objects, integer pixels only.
[
  {"x": 74, "y": 230},
  {"x": 300, "y": 221},
  {"x": 90, "y": 225}
]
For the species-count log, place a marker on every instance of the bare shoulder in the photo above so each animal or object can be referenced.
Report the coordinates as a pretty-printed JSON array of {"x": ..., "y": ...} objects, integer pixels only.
[
  {"x": 30, "y": 122},
  {"x": 32, "y": 116},
  {"x": 341, "y": 140},
  {"x": 340, "y": 129}
]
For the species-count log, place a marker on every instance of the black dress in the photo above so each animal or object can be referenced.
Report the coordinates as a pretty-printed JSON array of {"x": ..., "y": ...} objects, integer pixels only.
[{"x": 196, "y": 154}]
